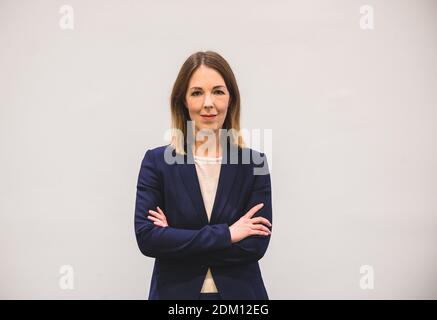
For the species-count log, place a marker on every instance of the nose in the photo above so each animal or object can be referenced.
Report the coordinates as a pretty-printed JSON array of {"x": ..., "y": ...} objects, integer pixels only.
[{"x": 208, "y": 103}]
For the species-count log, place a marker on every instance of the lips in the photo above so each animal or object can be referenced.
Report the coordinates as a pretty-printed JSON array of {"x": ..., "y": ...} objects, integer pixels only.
[{"x": 208, "y": 116}]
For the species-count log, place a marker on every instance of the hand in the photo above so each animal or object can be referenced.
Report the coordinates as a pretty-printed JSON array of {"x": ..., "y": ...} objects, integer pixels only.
[
  {"x": 158, "y": 218},
  {"x": 247, "y": 226}
]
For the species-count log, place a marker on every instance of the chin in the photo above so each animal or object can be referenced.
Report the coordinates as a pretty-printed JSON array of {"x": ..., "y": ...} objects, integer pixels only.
[{"x": 204, "y": 125}]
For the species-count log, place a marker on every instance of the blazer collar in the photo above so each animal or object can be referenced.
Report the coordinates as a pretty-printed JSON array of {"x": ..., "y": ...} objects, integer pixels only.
[{"x": 228, "y": 174}]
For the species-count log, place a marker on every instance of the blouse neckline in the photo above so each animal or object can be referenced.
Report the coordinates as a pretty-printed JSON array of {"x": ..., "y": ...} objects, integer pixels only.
[{"x": 208, "y": 159}]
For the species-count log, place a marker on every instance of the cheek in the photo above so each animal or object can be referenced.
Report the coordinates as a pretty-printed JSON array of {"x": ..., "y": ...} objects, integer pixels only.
[
  {"x": 223, "y": 114},
  {"x": 224, "y": 111},
  {"x": 194, "y": 105},
  {"x": 223, "y": 106}
]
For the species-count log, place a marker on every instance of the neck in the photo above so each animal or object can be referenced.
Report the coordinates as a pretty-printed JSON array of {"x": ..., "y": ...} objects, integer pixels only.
[{"x": 210, "y": 146}]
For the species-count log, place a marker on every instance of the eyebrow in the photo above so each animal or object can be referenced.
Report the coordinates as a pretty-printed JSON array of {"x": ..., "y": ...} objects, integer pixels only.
[{"x": 213, "y": 87}]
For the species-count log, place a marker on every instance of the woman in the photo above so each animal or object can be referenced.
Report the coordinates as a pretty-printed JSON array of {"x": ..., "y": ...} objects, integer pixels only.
[{"x": 203, "y": 208}]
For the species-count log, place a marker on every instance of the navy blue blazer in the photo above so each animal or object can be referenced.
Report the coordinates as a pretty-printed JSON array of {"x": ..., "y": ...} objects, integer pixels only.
[{"x": 190, "y": 244}]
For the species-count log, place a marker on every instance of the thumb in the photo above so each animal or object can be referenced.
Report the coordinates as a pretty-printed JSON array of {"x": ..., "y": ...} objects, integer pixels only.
[{"x": 254, "y": 210}]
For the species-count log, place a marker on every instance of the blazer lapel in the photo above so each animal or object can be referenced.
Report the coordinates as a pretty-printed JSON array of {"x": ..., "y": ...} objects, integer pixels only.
[
  {"x": 228, "y": 173},
  {"x": 188, "y": 175}
]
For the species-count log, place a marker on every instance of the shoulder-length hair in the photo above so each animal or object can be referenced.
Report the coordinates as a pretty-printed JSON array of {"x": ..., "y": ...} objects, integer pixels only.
[{"x": 179, "y": 112}]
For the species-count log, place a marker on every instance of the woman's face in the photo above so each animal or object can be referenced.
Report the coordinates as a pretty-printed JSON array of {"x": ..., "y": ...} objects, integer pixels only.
[{"x": 207, "y": 99}]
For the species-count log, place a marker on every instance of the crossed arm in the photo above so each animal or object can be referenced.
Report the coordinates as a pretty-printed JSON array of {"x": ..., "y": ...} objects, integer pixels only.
[{"x": 212, "y": 245}]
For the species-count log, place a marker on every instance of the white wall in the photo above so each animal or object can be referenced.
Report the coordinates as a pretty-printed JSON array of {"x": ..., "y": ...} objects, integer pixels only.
[{"x": 353, "y": 114}]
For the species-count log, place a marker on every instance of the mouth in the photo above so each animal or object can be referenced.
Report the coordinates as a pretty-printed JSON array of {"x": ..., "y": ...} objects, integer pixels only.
[{"x": 208, "y": 116}]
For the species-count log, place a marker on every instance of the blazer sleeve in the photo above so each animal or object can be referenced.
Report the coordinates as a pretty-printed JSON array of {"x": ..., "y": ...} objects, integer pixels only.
[
  {"x": 252, "y": 248},
  {"x": 168, "y": 242}
]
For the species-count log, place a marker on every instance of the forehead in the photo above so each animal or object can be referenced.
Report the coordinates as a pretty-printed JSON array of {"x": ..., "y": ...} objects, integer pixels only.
[{"x": 206, "y": 77}]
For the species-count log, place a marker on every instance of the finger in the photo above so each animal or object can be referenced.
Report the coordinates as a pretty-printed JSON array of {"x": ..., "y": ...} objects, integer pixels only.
[
  {"x": 162, "y": 214},
  {"x": 260, "y": 227},
  {"x": 259, "y": 233},
  {"x": 160, "y": 211},
  {"x": 261, "y": 220},
  {"x": 253, "y": 210},
  {"x": 156, "y": 214},
  {"x": 153, "y": 219},
  {"x": 160, "y": 224}
]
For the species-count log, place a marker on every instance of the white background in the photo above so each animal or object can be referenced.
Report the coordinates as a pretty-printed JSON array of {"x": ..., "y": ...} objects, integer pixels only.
[{"x": 353, "y": 115}]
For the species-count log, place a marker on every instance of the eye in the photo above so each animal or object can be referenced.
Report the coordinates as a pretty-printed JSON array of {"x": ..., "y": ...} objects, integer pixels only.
[
  {"x": 195, "y": 93},
  {"x": 219, "y": 92}
]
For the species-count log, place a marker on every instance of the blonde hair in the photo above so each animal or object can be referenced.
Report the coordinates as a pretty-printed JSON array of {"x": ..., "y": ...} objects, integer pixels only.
[{"x": 179, "y": 112}]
